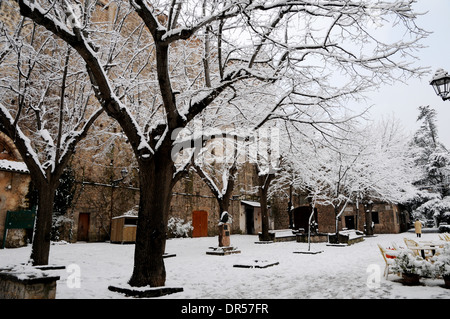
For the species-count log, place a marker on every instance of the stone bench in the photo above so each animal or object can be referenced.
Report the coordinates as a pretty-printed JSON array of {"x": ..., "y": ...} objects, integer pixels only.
[
  {"x": 314, "y": 238},
  {"x": 277, "y": 236}
]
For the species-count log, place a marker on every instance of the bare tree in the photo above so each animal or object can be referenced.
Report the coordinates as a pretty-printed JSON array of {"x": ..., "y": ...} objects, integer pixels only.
[
  {"x": 266, "y": 42},
  {"x": 44, "y": 108},
  {"x": 372, "y": 164},
  {"x": 219, "y": 171}
]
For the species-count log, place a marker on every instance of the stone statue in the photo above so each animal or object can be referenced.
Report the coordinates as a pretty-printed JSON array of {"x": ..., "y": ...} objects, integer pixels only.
[{"x": 224, "y": 218}]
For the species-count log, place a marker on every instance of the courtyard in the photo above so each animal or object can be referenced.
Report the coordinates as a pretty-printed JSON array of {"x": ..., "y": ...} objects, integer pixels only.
[{"x": 352, "y": 272}]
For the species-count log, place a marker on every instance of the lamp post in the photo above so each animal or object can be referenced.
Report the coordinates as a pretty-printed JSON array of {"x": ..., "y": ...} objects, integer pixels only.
[{"x": 441, "y": 84}]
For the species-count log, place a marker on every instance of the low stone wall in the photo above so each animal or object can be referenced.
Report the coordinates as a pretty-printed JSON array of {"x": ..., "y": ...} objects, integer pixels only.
[
  {"x": 316, "y": 238},
  {"x": 20, "y": 285},
  {"x": 284, "y": 238},
  {"x": 279, "y": 236},
  {"x": 345, "y": 238}
]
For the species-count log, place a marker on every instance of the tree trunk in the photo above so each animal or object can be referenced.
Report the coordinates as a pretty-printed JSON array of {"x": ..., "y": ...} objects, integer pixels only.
[
  {"x": 40, "y": 250},
  {"x": 224, "y": 204},
  {"x": 336, "y": 219},
  {"x": 368, "y": 217},
  {"x": 263, "y": 188},
  {"x": 156, "y": 182},
  {"x": 264, "y": 214}
]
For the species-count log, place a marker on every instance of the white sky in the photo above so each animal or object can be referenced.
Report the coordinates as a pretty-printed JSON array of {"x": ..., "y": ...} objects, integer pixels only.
[{"x": 403, "y": 100}]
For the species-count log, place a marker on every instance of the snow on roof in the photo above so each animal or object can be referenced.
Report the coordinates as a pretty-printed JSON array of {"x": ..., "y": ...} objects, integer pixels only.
[
  {"x": 250, "y": 203},
  {"x": 11, "y": 166},
  {"x": 125, "y": 216}
]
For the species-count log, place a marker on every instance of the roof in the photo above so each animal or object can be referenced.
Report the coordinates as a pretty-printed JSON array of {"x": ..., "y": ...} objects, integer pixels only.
[
  {"x": 11, "y": 166},
  {"x": 125, "y": 216},
  {"x": 250, "y": 203}
]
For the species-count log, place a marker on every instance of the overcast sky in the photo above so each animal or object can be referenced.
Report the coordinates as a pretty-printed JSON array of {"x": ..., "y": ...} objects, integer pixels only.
[{"x": 403, "y": 100}]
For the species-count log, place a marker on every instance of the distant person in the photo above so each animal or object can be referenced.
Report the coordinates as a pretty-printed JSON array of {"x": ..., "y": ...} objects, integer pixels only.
[{"x": 418, "y": 228}]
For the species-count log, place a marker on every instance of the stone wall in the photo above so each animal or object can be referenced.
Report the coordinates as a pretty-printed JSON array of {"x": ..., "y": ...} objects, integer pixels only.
[
  {"x": 14, "y": 188},
  {"x": 189, "y": 194},
  {"x": 8, "y": 13},
  {"x": 99, "y": 161},
  {"x": 388, "y": 218},
  {"x": 279, "y": 204},
  {"x": 13, "y": 286},
  {"x": 14, "y": 191}
]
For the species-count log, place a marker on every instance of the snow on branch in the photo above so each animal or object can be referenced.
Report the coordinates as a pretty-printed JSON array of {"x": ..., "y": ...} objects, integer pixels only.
[
  {"x": 22, "y": 142},
  {"x": 28, "y": 7}
]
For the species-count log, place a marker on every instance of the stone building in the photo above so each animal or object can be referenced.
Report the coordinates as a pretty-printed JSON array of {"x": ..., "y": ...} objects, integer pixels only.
[
  {"x": 387, "y": 218},
  {"x": 14, "y": 190},
  {"x": 102, "y": 193},
  {"x": 99, "y": 200}
]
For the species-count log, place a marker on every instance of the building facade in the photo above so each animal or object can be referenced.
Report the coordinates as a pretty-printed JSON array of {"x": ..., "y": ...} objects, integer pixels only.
[
  {"x": 386, "y": 218},
  {"x": 101, "y": 194},
  {"x": 97, "y": 204},
  {"x": 14, "y": 190}
]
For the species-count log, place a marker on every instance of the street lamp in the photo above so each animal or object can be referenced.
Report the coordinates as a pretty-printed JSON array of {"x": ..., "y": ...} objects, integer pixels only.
[{"x": 441, "y": 84}]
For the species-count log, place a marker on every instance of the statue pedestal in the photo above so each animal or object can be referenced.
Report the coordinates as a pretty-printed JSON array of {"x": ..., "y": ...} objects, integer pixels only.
[
  {"x": 224, "y": 235},
  {"x": 224, "y": 243}
]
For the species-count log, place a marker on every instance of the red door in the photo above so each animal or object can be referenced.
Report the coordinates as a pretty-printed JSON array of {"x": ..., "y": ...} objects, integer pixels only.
[
  {"x": 83, "y": 227},
  {"x": 200, "y": 223}
]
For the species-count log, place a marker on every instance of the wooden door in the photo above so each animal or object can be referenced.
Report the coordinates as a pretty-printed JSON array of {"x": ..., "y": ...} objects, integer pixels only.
[
  {"x": 83, "y": 227},
  {"x": 200, "y": 223},
  {"x": 250, "y": 220}
]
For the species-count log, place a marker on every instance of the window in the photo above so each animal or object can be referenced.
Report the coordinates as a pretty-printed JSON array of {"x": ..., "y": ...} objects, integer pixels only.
[
  {"x": 375, "y": 218},
  {"x": 130, "y": 221}
]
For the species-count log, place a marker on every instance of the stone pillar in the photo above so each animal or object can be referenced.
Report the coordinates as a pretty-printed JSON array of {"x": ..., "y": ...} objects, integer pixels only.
[
  {"x": 224, "y": 235},
  {"x": 225, "y": 247}
]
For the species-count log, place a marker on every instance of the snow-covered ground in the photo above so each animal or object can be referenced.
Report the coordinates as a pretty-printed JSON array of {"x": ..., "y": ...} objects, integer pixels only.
[{"x": 337, "y": 272}]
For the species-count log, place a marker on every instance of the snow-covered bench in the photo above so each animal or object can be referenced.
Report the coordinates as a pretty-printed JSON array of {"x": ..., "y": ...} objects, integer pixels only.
[
  {"x": 348, "y": 237},
  {"x": 280, "y": 235}
]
